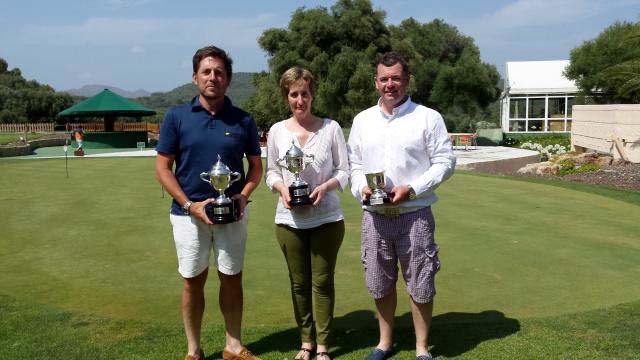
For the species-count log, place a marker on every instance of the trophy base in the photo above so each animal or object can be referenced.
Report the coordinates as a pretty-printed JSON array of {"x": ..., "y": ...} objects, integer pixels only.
[
  {"x": 299, "y": 195},
  {"x": 223, "y": 213},
  {"x": 378, "y": 200},
  {"x": 299, "y": 201}
]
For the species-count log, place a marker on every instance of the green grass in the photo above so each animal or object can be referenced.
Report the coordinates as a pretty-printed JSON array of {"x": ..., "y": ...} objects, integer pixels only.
[
  {"x": 7, "y": 138},
  {"x": 531, "y": 269}
]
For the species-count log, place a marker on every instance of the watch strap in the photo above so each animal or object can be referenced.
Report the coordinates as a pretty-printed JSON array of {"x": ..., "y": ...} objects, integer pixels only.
[{"x": 187, "y": 207}]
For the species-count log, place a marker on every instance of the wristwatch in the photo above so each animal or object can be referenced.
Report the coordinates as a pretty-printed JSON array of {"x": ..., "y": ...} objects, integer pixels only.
[
  {"x": 412, "y": 193},
  {"x": 187, "y": 206}
]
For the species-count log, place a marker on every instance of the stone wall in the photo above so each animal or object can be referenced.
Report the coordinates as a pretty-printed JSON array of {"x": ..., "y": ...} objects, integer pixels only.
[
  {"x": 610, "y": 129},
  {"x": 26, "y": 149}
]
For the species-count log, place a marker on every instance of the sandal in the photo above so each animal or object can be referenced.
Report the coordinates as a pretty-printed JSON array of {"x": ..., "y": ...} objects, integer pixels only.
[
  {"x": 305, "y": 351},
  {"x": 323, "y": 355}
]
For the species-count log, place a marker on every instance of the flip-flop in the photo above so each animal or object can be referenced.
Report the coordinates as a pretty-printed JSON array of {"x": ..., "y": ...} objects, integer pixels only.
[
  {"x": 324, "y": 354},
  {"x": 307, "y": 351}
]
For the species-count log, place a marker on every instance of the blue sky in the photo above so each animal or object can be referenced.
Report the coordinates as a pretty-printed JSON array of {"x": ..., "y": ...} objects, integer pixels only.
[{"x": 148, "y": 44}]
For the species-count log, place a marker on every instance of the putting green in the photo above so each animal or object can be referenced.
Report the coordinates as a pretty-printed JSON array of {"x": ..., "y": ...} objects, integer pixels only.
[{"x": 99, "y": 242}]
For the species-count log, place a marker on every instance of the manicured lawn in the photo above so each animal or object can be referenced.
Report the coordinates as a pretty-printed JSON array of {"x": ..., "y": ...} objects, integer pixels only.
[
  {"x": 7, "y": 138},
  {"x": 530, "y": 270}
]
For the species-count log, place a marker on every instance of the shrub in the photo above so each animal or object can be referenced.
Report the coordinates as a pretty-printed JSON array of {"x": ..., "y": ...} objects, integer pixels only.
[
  {"x": 510, "y": 142},
  {"x": 545, "y": 151},
  {"x": 568, "y": 166}
]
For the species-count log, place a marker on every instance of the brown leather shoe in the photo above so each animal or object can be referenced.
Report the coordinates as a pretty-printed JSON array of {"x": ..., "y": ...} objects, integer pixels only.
[
  {"x": 200, "y": 356},
  {"x": 245, "y": 354}
]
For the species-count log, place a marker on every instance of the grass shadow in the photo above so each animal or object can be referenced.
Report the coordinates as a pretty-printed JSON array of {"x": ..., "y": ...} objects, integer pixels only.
[
  {"x": 455, "y": 333},
  {"x": 452, "y": 334},
  {"x": 282, "y": 341}
]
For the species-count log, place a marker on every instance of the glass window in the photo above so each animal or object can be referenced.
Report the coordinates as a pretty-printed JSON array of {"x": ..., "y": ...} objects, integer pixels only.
[
  {"x": 535, "y": 125},
  {"x": 556, "y": 108},
  {"x": 536, "y": 108},
  {"x": 517, "y": 125},
  {"x": 517, "y": 109},
  {"x": 556, "y": 125},
  {"x": 570, "y": 102}
]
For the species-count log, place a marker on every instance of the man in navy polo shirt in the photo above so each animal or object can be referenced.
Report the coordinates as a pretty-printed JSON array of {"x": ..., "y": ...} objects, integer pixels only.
[{"x": 191, "y": 137}]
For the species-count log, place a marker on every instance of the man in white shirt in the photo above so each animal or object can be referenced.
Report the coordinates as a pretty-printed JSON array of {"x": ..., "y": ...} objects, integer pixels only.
[{"x": 409, "y": 142}]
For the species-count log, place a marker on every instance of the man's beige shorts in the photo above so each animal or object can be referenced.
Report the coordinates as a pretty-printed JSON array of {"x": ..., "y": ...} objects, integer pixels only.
[{"x": 195, "y": 240}]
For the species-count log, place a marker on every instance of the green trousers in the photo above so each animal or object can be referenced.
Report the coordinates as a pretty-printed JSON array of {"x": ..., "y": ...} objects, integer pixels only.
[{"x": 311, "y": 258}]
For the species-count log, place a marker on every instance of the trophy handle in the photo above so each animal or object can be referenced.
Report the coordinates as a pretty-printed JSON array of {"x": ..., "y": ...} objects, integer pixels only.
[
  {"x": 205, "y": 177},
  {"x": 282, "y": 162},
  {"x": 234, "y": 176}
]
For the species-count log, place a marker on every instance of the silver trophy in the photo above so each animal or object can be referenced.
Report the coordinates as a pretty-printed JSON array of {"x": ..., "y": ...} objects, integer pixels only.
[
  {"x": 295, "y": 161},
  {"x": 222, "y": 210},
  {"x": 376, "y": 183}
]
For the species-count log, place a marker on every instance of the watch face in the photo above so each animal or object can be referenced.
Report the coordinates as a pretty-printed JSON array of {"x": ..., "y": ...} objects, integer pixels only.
[{"x": 186, "y": 207}]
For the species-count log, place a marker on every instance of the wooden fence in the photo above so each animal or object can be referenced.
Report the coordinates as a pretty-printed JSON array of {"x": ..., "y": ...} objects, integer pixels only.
[
  {"x": 20, "y": 128},
  {"x": 87, "y": 127},
  {"x": 119, "y": 126}
]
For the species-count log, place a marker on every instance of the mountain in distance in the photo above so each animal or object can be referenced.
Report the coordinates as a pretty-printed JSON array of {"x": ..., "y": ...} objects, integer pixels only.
[
  {"x": 93, "y": 89},
  {"x": 239, "y": 91}
]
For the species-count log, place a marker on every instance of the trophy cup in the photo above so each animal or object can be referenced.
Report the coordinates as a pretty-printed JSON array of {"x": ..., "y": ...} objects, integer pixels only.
[
  {"x": 222, "y": 210},
  {"x": 375, "y": 181},
  {"x": 295, "y": 161}
]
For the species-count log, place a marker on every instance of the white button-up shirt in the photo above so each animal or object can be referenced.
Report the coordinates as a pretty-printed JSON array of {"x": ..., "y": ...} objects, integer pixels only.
[
  {"x": 329, "y": 149},
  {"x": 411, "y": 146}
]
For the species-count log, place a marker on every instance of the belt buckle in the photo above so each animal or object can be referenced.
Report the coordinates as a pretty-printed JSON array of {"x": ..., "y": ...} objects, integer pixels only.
[{"x": 390, "y": 211}]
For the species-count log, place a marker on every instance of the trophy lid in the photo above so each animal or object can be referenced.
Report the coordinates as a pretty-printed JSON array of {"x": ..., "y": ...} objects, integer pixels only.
[
  {"x": 294, "y": 151},
  {"x": 219, "y": 168}
]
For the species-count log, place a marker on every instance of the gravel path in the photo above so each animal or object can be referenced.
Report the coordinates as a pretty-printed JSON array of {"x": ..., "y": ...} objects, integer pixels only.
[{"x": 624, "y": 176}]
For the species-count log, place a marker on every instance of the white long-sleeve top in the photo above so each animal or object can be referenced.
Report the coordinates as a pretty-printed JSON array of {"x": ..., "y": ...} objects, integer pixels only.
[
  {"x": 411, "y": 146},
  {"x": 329, "y": 149}
]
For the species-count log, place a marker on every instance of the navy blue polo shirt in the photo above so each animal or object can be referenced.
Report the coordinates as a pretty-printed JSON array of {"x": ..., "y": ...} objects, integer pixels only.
[{"x": 196, "y": 138}]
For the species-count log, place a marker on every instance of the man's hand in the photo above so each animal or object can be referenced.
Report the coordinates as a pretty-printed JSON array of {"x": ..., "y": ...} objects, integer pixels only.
[
  {"x": 366, "y": 193},
  {"x": 242, "y": 200},
  {"x": 197, "y": 211},
  {"x": 401, "y": 194}
]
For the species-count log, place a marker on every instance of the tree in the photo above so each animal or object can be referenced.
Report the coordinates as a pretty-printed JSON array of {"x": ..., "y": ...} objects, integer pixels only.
[
  {"x": 24, "y": 101},
  {"x": 339, "y": 46},
  {"x": 607, "y": 68},
  {"x": 447, "y": 70}
]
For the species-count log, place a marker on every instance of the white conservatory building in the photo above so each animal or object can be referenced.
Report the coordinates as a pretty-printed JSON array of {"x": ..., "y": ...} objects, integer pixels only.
[{"x": 537, "y": 97}]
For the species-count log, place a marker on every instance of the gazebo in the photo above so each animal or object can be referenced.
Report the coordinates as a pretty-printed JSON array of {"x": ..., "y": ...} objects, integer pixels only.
[{"x": 109, "y": 106}]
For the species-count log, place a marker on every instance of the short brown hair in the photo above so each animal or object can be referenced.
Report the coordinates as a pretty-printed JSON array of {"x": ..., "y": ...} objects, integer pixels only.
[
  {"x": 216, "y": 52},
  {"x": 296, "y": 74},
  {"x": 389, "y": 59}
]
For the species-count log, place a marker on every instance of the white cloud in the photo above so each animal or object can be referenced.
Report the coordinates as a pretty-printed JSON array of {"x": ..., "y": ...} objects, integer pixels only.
[
  {"x": 542, "y": 12},
  {"x": 101, "y": 31},
  {"x": 537, "y": 13}
]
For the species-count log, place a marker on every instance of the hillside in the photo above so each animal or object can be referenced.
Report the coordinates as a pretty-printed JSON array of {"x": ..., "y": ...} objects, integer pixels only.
[
  {"x": 93, "y": 89},
  {"x": 240, "y": 90}
]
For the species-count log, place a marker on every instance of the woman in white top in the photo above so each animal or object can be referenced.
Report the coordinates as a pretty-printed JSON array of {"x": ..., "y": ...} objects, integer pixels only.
[{"x": 309, "y": 235}]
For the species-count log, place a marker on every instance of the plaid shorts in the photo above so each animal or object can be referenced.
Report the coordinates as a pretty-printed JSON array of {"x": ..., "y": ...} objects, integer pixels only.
[{"x": 407, "y": 238}]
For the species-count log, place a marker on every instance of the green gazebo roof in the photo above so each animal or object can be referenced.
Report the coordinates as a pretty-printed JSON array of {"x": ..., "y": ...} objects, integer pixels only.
[{"x": 107, "y": 103}]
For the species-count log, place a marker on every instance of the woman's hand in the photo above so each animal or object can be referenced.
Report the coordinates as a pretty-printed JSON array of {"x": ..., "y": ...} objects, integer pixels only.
[
  {"x": 284, "y": 193},
  {"x": 318, "y": 193}
]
